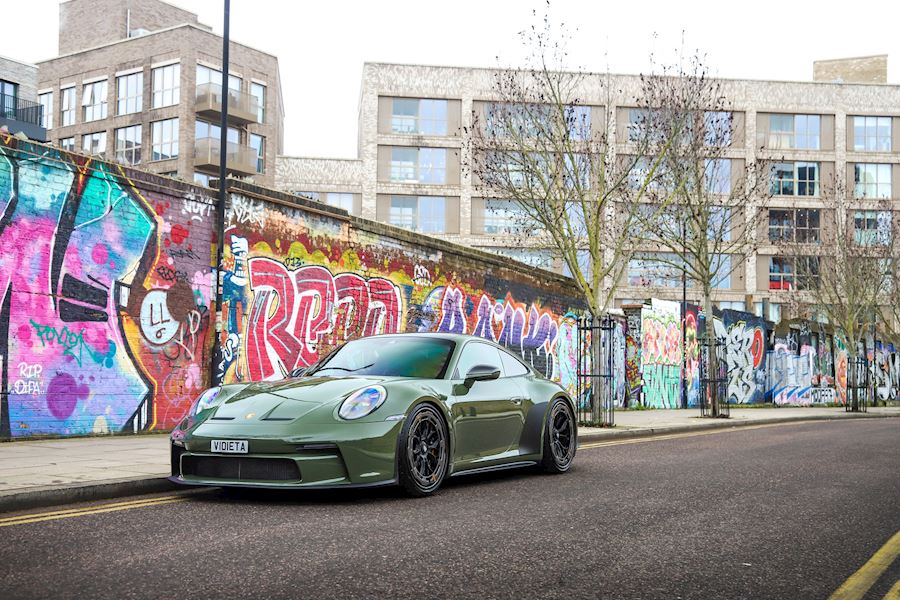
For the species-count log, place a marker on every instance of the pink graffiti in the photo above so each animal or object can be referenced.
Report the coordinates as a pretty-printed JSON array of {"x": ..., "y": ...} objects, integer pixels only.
[{"x": 293, "y": 312}]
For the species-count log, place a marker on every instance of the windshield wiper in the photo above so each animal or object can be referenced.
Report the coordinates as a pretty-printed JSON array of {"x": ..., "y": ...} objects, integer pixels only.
[{"x": 346, "y": 369}]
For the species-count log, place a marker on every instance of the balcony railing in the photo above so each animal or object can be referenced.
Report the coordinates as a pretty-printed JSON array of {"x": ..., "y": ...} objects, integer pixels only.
[
  {"x": 12, "y": 107},
  {"x": 242, "y": 108},
  {"x": 239, "y": 159}
]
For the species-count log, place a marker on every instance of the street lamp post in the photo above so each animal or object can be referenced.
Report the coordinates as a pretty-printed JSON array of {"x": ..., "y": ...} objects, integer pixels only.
[
  {"x": 683, "y": 317},
  {"x": 215, "y": 373}
]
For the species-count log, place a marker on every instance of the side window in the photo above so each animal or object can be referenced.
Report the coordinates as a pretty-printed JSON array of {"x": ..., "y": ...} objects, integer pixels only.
[
  {"x": 512, "y": 366},
  {"x": 475, "y": 353}
]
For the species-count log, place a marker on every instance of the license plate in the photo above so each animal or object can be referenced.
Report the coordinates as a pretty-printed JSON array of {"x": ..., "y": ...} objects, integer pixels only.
[{"x": 229, "y": 446}]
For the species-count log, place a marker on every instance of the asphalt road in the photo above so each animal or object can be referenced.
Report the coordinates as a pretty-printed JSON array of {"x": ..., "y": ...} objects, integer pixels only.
[{"x": 788, "y": 511}]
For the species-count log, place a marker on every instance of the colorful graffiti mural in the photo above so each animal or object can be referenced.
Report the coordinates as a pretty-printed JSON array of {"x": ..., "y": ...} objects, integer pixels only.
[
  {"x": 661, "y": 354},
  {"x": 96, "y": 316},
  {"x": 744, "y": 336},
  {"x": 296, "y": 286}
]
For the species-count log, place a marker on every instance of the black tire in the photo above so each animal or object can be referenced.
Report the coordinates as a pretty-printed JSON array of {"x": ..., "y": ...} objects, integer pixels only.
[
  {"x": 423, "y": 454},
  {"x": 560, "y": 438}
]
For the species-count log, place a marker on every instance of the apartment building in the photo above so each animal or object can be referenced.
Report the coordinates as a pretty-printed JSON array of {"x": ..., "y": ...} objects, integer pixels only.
[
  {"x": 20, "y": 111},
  {"x": 143, "y": 85},
  {"x": 408, "y": 173}
]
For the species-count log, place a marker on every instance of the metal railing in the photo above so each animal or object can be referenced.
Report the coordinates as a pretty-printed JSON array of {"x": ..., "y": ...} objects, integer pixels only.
[
  {"x": 713, "y": 382},
  {"x": 13, "y": 107},
  {"x": 594, "y": 384},
  {"x": 858, "y": 385}
]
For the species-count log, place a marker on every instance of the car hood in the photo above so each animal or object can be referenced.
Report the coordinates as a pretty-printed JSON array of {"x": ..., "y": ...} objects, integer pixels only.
[{"x": 289, "y": 400}]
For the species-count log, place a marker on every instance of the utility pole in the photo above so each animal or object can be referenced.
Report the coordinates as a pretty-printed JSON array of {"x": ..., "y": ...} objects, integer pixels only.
[{"x": 214, "y": 373}]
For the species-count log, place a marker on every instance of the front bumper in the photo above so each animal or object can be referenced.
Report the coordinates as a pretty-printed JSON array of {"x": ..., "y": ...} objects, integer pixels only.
[{"x": 343, "y": 456}]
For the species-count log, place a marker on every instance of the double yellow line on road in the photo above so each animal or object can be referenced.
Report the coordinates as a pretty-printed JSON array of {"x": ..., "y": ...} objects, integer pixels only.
[
  {"x": 862, "y": 581},
  {"x": 89, "y": 510}
]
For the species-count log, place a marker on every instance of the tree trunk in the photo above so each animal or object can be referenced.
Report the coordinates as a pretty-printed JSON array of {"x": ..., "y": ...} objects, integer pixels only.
[
  {"x": 596, "y": 382},
  {"x": 852, "y": 378},
  {"x": 712, "y": 362}
]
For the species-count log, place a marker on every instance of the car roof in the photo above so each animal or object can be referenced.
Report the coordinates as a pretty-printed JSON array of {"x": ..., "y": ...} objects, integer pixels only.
[{"x": 456, "y": 337}]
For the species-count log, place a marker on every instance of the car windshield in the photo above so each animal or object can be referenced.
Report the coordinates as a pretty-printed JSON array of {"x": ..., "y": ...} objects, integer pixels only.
[{"x": 425, "y": 358}]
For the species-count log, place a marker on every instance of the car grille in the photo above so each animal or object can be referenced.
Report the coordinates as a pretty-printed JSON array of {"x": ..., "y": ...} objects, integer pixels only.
[{"x": 240, "y": 468}]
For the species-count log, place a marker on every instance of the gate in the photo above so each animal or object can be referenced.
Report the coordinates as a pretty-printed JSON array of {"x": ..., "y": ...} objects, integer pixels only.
[
  {"x": 858, "y": 385},
  {"x": 594, "y": 381},
  {"x": 717, "y": 380}
]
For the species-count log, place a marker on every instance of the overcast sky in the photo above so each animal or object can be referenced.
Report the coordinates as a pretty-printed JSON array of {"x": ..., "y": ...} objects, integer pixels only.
[{"x": 322, "y": 45}]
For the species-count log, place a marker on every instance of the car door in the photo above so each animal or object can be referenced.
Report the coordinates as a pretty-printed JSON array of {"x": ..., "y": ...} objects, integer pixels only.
[{"x": 486, "y": 416}]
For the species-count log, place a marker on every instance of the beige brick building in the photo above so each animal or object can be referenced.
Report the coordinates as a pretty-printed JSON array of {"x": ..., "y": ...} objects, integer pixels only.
[
  {"x": 143, "y": 85},
  {"x": 411, "y": 120}
]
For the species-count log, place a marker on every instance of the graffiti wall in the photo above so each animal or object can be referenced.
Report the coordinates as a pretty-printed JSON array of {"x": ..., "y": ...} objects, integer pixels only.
[
  {"x": 661, "y": 354},
  {"x": 298, "y": 283},
  {"x": 744, "y": 335},
  {"x": 105, "y": 296},
  {"x": 105, "y": 293}
]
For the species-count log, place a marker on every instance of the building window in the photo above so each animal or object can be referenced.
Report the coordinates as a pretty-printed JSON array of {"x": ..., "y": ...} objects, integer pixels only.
[
  {"x": 9, "y": 93},
  {"x": 872, "y": 227},
  {"x": 258, "y": 91},
  {"x": 871, "y": 180},
  {"x": 794, "y": 131},
  {"x": 538, "y": 258},
  {"x": 718, "y": 176},
  {"x": 795, "y": 179},
  {"x": 201, "y": 178},
  {"x": 718, "y": 128},
  {"x": 415, "y": 116},
  {"x": 655, "y": 270},
  {"x": 872, "y": 134},
  {"x": 129, "y": 93},
  {"x": 93, "y": 100},
  {"x": 165, "y": 139},
  {"x": 94, "y": 143},
  {"x": 214, "y": 76},
  {"x": 128, "y": 144},
  {"x": 67, "y": 106},
  {"x": 166, "y": 85},
  {"x": 503, "y": 217},
  {"x": 67, "y": 144},
  {"x": 204, "y": 129},
  {"x": 340, "y": 200},
  {"x": 46, "y": 102},
  {"x": 425, "y": 214},
  {"x": 419, "y": 165},
  {"x": 800, "y": 273},
  {"x": 794, "y": 225},
  {"x": 258, "y": 143}
]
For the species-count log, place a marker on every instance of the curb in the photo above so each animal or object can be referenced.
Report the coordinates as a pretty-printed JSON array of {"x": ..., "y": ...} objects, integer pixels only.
[
  {"x": 84, "y": 492},
  {"x": 614, "y": 434}
]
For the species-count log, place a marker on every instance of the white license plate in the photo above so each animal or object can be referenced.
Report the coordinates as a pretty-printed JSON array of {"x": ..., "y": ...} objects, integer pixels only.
[{"x": 229, "y": 446}]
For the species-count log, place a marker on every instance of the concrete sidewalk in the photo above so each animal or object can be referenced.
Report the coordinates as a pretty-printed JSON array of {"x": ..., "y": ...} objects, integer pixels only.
[{"x": 56, "y": 471}]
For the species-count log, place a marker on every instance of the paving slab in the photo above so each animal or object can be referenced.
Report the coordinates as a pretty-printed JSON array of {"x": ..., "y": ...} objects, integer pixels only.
[{"x": 37, "y": 473}]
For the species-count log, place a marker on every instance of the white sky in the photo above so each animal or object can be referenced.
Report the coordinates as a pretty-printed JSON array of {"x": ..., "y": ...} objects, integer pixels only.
[{"x": 321, "y": 45}]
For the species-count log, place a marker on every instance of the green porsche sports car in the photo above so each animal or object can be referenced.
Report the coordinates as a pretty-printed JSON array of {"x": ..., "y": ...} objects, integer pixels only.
[{"x": 409, "y": 409}]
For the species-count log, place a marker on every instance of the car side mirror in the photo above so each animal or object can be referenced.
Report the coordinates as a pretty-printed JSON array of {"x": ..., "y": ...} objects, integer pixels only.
[
  {"x": 299, "y": 371},
  {"x": 481, "y": 373}
]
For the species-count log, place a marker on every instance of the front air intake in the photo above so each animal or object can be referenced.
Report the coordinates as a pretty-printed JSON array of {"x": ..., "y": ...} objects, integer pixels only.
[{"x": 236, "y": 468}]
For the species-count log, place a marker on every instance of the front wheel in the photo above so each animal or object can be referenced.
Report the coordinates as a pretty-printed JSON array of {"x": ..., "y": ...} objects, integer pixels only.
[
  {"x": 424, "y": 454},
  {"x": 560, "y": 438}
]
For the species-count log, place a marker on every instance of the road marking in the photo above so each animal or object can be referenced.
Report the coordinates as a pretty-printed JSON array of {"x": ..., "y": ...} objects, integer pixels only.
[
  {"x": 90, "y": 510},
  {"x": 894, "y": 592},
  {"x": 860, "y": 582}
]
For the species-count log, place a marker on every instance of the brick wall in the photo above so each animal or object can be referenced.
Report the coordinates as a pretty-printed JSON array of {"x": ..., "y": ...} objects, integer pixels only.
[{"x": 105, "y": 292}]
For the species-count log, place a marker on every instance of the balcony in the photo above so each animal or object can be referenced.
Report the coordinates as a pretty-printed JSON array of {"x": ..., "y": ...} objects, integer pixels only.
[
  {"x": 20, "y": 115},
  {"x": 242, "y": 108},
  {"x": 239, "y": 160}
]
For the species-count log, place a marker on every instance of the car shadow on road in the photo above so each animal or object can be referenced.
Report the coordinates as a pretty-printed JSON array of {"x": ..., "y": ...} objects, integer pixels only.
[{"x": 359, "y": 495}]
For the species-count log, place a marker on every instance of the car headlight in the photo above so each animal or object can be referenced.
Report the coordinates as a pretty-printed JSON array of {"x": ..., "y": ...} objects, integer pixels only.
[
  {"x": 362, "y": 402},
  {"x": 208, "y": 399}
]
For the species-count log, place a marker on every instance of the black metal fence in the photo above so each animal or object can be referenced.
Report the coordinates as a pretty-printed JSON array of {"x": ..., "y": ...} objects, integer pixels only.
[
  {"x": 713, "y": 382},
  {"x": 13, "y": 107},
  {"x": 859, "y": 385},
  {"x": 594, "y": 381}
]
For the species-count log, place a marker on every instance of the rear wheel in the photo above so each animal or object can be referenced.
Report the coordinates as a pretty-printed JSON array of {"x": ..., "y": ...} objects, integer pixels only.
[
  {"x": 560, "y": 438},
  {"x": 423, "y": 452}
]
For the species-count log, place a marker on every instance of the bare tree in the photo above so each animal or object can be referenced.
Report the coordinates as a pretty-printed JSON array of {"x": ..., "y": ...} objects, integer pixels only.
[
  {"x": 700, "y": 214},
  {"x": 541, "y": 155},
  {"x": 847, "y": 277}
]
